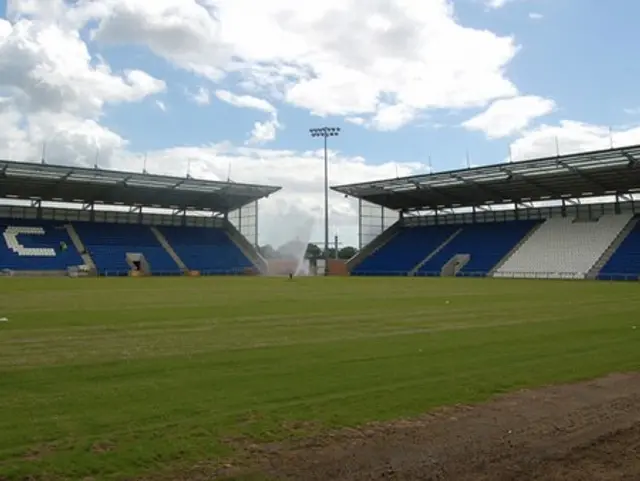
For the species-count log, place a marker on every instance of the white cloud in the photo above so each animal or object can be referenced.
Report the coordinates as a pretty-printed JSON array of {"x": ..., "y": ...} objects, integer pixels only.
[
  {"x": 46, "y": 67},
  {"x": 570, "y": 137},
  {"x": 355, "y": 120},
  {"x": 264, "y": 132},
  {"x": 245, "y": 101},
  {"x": 57, "y": 90},
  {"x": 201, "y": 97},
  {"x": 507, "y": 116},
  {"x": 347, "y": 57},
  {"x": 40, "y": 8},
  {"x": 64, "y": 138},
  {"x": 161, "y": 105},
  {"x": 497, "y": 3},
  {"x": 392, "y": 117},
  {"x": 536, "y": 16}
]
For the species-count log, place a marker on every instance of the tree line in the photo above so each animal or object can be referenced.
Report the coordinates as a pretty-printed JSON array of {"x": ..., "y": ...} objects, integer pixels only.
[{"x": 313, "y": 251}]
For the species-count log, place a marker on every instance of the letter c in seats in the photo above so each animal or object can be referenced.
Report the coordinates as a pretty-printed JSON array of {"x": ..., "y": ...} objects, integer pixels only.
[{"x": 11, "y": 234}]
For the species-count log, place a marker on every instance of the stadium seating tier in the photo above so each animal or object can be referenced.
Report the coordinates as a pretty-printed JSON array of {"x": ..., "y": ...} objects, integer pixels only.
[
  {"x": 486, "y": 244},
  {"x": 210, "y": 251},
  {"x": 28, "y": 245},
  {"x": 564, "y": 247},
  {"x": 404, "y": 251},
  {"x": 109, "y": 244},
  {"x": 624, "y": 264}
]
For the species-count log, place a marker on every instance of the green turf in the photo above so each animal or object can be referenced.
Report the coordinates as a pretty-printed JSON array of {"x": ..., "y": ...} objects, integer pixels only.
[{"x": 111, "y": 378}]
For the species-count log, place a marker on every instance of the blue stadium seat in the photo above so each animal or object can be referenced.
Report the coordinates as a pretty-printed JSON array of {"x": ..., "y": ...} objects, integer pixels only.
[
  {"x": 28, "y": 245},
  {"x": 486, "y": 243},
  {"x": 108, "y": 245},
  {"x": 208, "y": 250},
  {"x": 404, "y": 251},
  {"x": 624, "y": 264}
]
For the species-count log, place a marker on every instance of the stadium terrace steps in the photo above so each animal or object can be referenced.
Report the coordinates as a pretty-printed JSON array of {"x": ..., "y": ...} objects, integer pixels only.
[
  {"x": 36, "y": 245},
  {"x": 207, "y": 250},
  {"x": 485, "y": 243},
  {"x": 167, "y": 247},
  {"x": 432, "y": 254},
  {"x": 515, "y": 248},
  {"x": 624, "y": 264},
  {"x": 564, "y": 247},
  {"x": 247, "y": 249},
  {"x": 109, "y": 244},
  {"x": 405, "y": 250},
  {"x": 80, "y": 247},
  {"x": 383, "y": 238},
  {"x": 611, "y": 250}
]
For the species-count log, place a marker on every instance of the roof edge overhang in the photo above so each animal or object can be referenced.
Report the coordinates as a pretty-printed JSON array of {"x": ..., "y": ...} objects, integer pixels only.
[
  {"x": 478, "y": 177},
  {"x": 145, "y": 182}
]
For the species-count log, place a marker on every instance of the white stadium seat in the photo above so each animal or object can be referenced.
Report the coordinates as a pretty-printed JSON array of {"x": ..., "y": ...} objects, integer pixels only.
[
  {"x": 564, "y": 247},
  {"x": 11, "y": 234}
]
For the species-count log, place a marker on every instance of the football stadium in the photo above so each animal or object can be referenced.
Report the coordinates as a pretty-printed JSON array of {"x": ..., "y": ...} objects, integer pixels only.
[{"x": 487, "y": 329}]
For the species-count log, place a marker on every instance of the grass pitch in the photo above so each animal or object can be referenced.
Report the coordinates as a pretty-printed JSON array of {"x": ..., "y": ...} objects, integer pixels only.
[{"x": 114, "y": 378}]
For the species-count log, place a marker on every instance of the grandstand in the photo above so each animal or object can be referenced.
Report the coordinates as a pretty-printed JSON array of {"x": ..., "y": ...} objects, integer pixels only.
[
  {"x": 570, "y": 217},
  {"x": 58, "y": 220}
]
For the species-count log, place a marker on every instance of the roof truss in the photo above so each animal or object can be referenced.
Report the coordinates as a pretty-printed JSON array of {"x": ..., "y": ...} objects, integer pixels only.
[
  {"x": 604, "y": 172},
  {"x": 88, "y": 185}
]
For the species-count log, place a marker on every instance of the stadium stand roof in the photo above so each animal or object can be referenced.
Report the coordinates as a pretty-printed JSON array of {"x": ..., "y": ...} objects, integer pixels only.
[
  {"x": 25, "y": 180},
  {"x": 589, "y": 174}
]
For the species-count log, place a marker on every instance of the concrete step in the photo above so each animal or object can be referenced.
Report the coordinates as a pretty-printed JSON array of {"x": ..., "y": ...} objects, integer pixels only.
[
  {"x": 167, "y": 247},
  {"x": 79, "y": 245},
  {"x": 613, "y": 247},
  {"x": 413, "y": 271}
]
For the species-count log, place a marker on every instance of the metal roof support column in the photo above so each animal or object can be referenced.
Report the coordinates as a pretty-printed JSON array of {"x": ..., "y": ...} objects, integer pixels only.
[
  {"x": 473, "y": 214},
  {"x": 89, "y": 206},
  {"x": 360, "y": 224},
  {"x": 255, "y": 226},
  {"x": 563, "y": 209},
  {"x": 616, "y": 206},
  {"x": 37, "y": 205}
]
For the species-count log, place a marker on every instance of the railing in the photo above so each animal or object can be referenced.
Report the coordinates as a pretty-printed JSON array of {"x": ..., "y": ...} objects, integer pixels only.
[
  {"x": 154, "y": 273},
  {"x": 539, "y": 275},
  {"x": 618, "y": 277},
  {"x": 506, "y": 275},
  {"x": 380, "y": 274},
  {"x": 565, "y": 275},
  {"x": 240, "y": 272}
]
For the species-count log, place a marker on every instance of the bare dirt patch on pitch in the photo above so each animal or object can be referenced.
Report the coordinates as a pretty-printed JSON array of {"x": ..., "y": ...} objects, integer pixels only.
[{"x": 586, "y": 431}]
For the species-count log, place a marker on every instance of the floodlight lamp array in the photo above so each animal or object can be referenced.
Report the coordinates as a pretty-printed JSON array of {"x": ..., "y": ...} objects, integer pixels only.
[{"x": 325, "y": 132}]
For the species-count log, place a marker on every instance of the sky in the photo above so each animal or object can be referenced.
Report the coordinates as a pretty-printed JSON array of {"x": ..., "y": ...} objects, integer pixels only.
[{"x": 231, "y": 87}]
